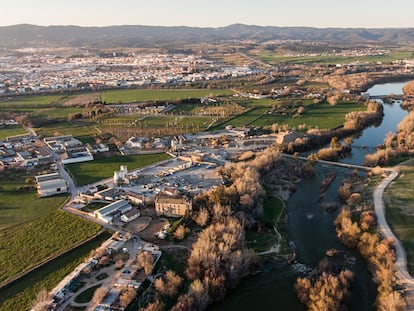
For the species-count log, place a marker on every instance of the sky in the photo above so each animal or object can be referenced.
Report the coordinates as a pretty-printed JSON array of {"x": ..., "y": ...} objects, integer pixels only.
[{"x": 210, "y": 13}]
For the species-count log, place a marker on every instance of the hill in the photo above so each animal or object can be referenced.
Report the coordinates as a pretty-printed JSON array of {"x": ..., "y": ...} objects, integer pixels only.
[{"x": 30, "y": 35}]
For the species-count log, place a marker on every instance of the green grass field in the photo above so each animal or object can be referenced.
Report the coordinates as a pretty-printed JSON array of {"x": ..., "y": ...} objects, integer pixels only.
[
  {"x": 11, "y": 131},
  {"x": 273, "y": 58},
  {"x": 244, "y": 119},
  {"x": 90, "y": 172},
  {"x": 272, "y": 209},
  {"x": 399, "y": 198},
  {"x": 35, "y": 101},
  {"x": 127, "y": 96},
  {"x": 30, "y": 243},
  {"x": 13, "y": 212},
  {"x": 322, "y": 115},
  {"x": 20, "y": 294}
]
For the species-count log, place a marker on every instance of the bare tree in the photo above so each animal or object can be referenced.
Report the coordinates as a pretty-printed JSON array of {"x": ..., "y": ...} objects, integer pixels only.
[
  {"x": 201, "y": 218},
  {"x": 127, "y": 296},
  {"x": 179, "y": 233},
  {"x": 146, "y": 261},
  {"x": 99, "y": 295}
]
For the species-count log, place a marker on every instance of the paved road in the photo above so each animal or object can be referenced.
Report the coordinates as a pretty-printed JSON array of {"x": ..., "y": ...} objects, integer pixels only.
[{"x": 404, "y": 277}]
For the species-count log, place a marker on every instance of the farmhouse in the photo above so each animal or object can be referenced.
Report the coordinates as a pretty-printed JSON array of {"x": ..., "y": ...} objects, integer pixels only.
[
  {"x": 173, "y": 206},
  {"x": 110, "y": 211},
  {"x": 51, "y": 187}
]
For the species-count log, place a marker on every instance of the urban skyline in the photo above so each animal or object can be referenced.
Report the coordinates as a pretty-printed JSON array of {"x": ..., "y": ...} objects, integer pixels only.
[{"x": 214, "y": 13}]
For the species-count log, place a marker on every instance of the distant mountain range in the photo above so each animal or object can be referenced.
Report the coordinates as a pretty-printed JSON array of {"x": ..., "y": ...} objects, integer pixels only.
[{"x": 30, "y": 35}]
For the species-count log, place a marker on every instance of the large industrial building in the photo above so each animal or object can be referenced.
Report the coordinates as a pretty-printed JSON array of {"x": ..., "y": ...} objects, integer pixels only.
[{"x": 51, "y": 184}]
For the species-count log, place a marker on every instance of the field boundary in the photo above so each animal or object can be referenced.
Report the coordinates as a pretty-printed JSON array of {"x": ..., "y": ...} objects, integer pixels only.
[{"x": 49, "y": 259}]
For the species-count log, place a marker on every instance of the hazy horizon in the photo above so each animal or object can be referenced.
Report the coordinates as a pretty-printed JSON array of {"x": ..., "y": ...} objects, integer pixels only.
[
  {"x": 215, "y": 13},
  {"x": 218, "y": 27}
]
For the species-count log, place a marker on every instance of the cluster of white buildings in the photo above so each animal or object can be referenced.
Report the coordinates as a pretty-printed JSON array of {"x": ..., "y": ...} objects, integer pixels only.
[
  {"x": 70, "y": 149},
  {"x": 33, "y": 73},
  {"x": 22, "y": 151}
]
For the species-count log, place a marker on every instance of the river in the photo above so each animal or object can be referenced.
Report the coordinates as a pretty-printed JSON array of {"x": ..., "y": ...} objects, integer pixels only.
[{"x": 311, "y": 228}]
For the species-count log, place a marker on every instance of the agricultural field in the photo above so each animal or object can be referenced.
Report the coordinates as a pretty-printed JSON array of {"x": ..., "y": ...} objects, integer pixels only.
[
  {"x": 323, "y": 116},
  {"x": 36, "y": 101},
  {"x": 78, "y": 129},
  {"x": 11, "y": 131},
  {"x": 22, "y": 293},
  {"x": 399, "y": 198},
  {"x": 128, "y": 96},
  {"x": 266, "y": 112},
  {"x": 89, "y": 172},
  {"x": 13, "y": 212},
  {"x": 30, "y": 243},
  {"x": 273, "y": 58}
]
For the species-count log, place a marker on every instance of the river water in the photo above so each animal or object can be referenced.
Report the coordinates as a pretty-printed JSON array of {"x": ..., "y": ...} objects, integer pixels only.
[
  {"x": 311, "y": 229},
  {"x": 374, "y": 135}
]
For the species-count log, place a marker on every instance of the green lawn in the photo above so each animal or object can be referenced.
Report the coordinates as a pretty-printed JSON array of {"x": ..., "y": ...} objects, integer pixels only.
[
  {"x": 399, "y": 198},
  {"x": 93, "y": 171},
  {"x": 260, "y": 242},
  {"x": 20, "y": 294},
  {"x": 127, "y": 96},
  {"x": 11, "y": 131},
  {"x": 272, "y": 208},
  {"x": 13, "y": 212}
]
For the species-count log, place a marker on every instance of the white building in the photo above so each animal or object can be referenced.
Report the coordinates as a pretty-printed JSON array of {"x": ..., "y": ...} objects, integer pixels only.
[
  {"x": 110, "y": 211},
  {"x": 51, "y": 187}
]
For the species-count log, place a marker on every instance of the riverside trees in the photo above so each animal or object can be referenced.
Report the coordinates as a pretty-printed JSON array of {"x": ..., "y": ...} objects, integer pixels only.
[{"x": 379, "y": 254}]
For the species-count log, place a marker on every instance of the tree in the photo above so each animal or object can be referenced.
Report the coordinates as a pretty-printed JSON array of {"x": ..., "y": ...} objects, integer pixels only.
[
  {"x": 99, "y": 295},
  {"x": 127, "y": 296},
  {"x": 201, "y": 218},
  {"x": 179, "y": 233},
  {"x": 168, "y": 285},
  {"x": 146, "y": 261},
  {"x": 154, "y": 306}
]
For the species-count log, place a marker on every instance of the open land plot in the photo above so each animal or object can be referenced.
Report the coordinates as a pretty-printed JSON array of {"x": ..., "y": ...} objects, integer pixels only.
[
  {"x": 21, "y": 293},
  {"x": 128, "y": 96},
  {"x": 30, "y": 243},
  {"x": 20, "y": 206},
  {"x": 35, "y": 101},
  {"x": 323, "y": 116},
  {"x": 399, "y": 198},
  {"x": 77, "y": 129},
  {"x": 90, "y": 172},
  {"x": 244, "y": 119},
  {"x": 274, "y": 58},
  {"x": 56, "y": 112},
  {"x": 11, "y": 131}
]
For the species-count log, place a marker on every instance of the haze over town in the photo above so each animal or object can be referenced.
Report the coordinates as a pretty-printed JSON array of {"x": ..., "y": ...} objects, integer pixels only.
[{"x": 213, "y": 13}]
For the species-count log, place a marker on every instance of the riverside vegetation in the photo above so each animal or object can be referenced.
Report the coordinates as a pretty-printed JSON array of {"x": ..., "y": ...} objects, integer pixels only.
[{"x": 356, "y": 228}]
